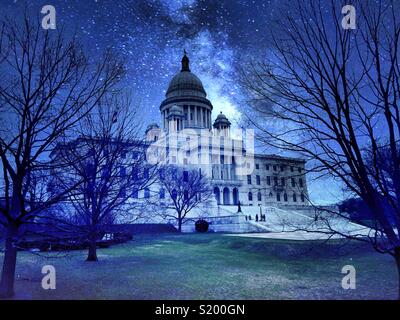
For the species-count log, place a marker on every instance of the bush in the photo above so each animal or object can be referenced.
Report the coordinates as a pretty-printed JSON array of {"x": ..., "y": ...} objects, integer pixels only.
[{"x": 201, "y": 225}]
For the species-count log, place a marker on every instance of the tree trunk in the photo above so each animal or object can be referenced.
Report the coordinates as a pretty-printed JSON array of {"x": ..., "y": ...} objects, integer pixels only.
[
  {"x": 92, "y": 253},
  {"x": 397, "y": 257},
  {"x": 180, "y": 221},
  {"x": 9, "y": 264}
]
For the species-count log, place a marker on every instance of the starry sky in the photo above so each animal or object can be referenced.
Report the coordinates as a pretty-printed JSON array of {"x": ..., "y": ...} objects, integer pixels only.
[
  {"x": 220, "y": 36},
  {"x": 152, "y": 34}
]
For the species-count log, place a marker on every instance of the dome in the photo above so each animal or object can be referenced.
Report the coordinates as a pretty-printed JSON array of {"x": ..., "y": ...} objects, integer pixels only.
[
  {"x": 221, "y": 119},
  {"x": 152, "y": 126},
  {"x": 185, "y": 83}
]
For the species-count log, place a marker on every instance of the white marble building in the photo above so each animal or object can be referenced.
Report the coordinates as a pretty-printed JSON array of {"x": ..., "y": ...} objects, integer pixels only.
[{"x": 188, "y": 137}]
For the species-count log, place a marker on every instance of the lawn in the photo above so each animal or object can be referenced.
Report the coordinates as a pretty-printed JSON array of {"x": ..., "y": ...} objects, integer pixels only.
[{"x": 210, "y": 266}]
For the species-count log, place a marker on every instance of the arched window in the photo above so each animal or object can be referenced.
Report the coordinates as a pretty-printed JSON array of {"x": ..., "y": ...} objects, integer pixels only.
[
  {"x": 259, "y": 196},
  {"x": 162, "y": 193},
  {"x": 250, "y": 196},
  {"x": 285, "y": 197},
  {"x": 302, "y": 197},
  {"x": 226, "y": 194},
  {"x": 235, "y": 194},
  {"x": 301, "y": 183},
  {"x": 147, "y": 193},
  {"x": 217, "y": 195},
  {"x": 278, "y": 197},
  {"x": 294, "y": 197},
  {"x": 293, "y": 182}
]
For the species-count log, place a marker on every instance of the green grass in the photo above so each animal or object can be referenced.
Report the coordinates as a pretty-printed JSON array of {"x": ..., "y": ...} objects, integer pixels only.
[{"x": 210, "y": 266}]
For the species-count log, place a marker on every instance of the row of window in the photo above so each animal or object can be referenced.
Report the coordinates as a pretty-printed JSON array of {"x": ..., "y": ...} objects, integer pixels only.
[
  {"x": 276, "y": 167},
  {"x": 275, "y": 179},
  {"x": 278, "y": 197}
]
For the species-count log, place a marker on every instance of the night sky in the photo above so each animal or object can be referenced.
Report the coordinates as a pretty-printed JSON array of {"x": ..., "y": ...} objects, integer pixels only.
[
  {"x": 151, "y": 35},
  {"x": 220, "y": 36}
]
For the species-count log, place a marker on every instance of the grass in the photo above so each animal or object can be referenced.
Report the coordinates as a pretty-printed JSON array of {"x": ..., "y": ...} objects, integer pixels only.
[{"x": 210, "y": 266}]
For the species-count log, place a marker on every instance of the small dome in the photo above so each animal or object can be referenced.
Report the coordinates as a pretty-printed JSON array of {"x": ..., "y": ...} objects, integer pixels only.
[
  {"x": 152, "y": 126},
  {"x": 185, "y": 83},
  {"x": 221, "y": 120}
]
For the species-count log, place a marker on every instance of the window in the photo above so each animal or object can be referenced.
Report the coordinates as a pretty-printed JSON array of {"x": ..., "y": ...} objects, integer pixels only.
[
  {"x": 293, "y": 182},
  {"x": 162, "y": 193},
  {"x": 135, "y": 193},
  {"x": 275, "y": 181},
  {"x": 257, "y": 166},
  {"x": 278, "y": 197},
  {"x": 274, "y": 167},
  {"x": 271, "y": 195},
  {"x": 147, "y": 193},
  {"x": 285, "y": 197},
  {"x": 282, "y": 168},
  {"x": 299, "y": 169},
  {"x": 248, "y": 179},
  {"x": 146, "y": 173},
  {"x": 302, "y": 197},
  {"x": 301, "y": 183},
  {"x": 283, "y": 181},
  {"x": 250, "y": 196},
  {"x": 291, "y": 169},
  {"x": 222, "y": 159},
  {"x": 269, "y": 180},
  {"x": 258, "y": 180},
  {"x": 259, "y": 196},
  {"x": 186, "y": 195},
  {"x": 185, "y": 176},
  {"x": 267, "y": 167},
  {"x": 294, "y": 197}
]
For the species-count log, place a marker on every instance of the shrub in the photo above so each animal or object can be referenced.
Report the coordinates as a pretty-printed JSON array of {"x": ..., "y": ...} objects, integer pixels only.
[{"x": 201, "y": 225}]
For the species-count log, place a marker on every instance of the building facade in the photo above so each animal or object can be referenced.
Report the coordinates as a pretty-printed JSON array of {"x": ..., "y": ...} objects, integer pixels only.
[{"x": 188, "y": 137}]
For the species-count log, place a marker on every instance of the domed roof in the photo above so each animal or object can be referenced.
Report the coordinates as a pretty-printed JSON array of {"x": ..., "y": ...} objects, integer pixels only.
[
  {"x": 185, "y": 83},
  {"x": 152, "y": 126},
  {"x": 221, "y": 119}
]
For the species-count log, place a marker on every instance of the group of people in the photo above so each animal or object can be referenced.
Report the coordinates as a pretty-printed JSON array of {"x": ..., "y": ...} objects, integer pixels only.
[{"x": 258, "y": 218}]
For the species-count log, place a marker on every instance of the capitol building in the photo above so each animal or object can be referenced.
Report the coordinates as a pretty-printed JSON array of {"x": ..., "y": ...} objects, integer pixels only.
[{"x": 190, "y": 137}]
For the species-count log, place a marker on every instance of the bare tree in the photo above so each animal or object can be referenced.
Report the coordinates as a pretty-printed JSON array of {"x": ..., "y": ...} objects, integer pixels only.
[
  {"x": 186, "y": 189},
  {"x": 47, "y": 85},
  {"x": 109, "y": 156},
  {"x": 333, "y": 95}
]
